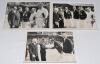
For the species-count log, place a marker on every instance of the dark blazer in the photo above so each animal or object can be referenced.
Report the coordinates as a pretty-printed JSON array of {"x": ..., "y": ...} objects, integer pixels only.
[
  {"x": 67, "y": 15},
  {"x": 10, "y": 17},
  {"x": 58, "y": 47},
  {"x": 43, "y": 52},
  {"x": 33, "y": 49},
  {"x": 26, "y": 16},
  {"x": 14, "y": 18},
  {"x": 67, "y": 46},
  {"x": 21, "y": 15},
  {"x": 83, "y": 15},
  {"x": 76, "y": 14},
  {"x": 55, "y": 19},
  {"x": 61, "y": 21}
]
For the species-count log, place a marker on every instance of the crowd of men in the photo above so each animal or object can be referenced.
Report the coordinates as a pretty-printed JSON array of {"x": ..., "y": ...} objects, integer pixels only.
[
  {"x": 28, "y": 18},
  {"x": 77, "y": 17},
  {"x": 37, "y": 48}
]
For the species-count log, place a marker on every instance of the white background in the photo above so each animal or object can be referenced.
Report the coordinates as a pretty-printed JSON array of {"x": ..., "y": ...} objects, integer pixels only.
[{"x": 87, "y": 42}]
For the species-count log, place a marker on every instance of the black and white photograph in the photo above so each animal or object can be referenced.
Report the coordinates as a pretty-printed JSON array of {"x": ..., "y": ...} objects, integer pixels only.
[
  {"x": 50, "y": 47},
  {"x": 27, "y": 15},
  {"x": 81, "y": 16}
]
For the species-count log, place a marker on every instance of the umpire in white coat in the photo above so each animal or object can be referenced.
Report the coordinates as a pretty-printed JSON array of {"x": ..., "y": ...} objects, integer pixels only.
[{"x": 41, "y": 16}]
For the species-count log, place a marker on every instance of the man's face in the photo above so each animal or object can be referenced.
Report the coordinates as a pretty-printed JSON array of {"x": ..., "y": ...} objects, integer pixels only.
[
  {"x": 27, "y": 9},
  {"x": 20, "y": 9},
  {"x": 88, "y": 9},
  {"x": 74, "y": 7},
  {"x": 81, "y": 8},
  {"x": 34, "y": 41},
  {"x": 40, "y": 5},
  {"x": 15, "y": 8},
  {"x": 55, "y": 10},
  {"x": 66, "y": 8},
  {"x": 33, "y": 9}
]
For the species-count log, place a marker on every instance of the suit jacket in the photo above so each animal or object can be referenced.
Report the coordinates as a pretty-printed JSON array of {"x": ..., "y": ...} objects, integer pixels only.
[
  {"x": 26, "y": 16},
  {"x": 83, "y": 15},
  {"x": 67, "y": 46},
  {"x": 21, "y": 15},
  {"x": 10, "y": 17},
  {"x": 43, "y": 49},
  {"x": 76, "y": 14},
  {"x": 14, "y": 18},
  {"x": 58, "y": 47},
  {"x": 67, "y": 15},
  {"x": 33, "y": 49},
  {"x": 55, "y": 19}
]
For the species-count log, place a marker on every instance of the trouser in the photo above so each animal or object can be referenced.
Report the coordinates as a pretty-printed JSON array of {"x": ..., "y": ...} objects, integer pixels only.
[
  {"x": 43, "y": 55},
  {"x": 11, "y": 26},
  {"x": 34, "y": 58},
  {"x": 61, "y": 23}
]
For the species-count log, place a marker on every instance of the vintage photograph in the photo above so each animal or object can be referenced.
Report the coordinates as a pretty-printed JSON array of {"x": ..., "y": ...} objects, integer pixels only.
[
  {"x": 79, "y": 16},
  {"x": 27, "y": 15},
  {"x": 50, "y": 47}
]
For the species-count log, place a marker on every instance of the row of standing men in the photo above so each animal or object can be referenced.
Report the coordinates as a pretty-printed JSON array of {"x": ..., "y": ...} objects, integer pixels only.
[
  {"x": 62, "y": 18},
  {"x": 36, "y": 18}
]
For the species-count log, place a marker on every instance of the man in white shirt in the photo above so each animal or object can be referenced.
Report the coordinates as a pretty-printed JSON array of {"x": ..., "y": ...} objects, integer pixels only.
[
  {"x": 41, "y": 16},
  {"x": 89, "y": 18},
  {"x": 33, "y": 17}
]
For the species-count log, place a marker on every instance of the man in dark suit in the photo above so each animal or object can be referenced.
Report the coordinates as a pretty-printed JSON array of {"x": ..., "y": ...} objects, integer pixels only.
[
  {"x": 76, "y": 13},
  {"x": 10, "y": 18},
  {"x": 26, "y": 15},
  {"x": 58, "y": 18},
  {"x": 14, "y": 17},
  {"x": 61, "y": 20},
  {"x": 55, "y": 18},
  {"x": 67, "y": 46},
  {"x": 67, "y": 13},
  {"x": 21, "y": 14},
  {"x": 58, "y": 46},
  {"x": 83, "y": 14},
  {"x": 43, "y": 50},
  {"x": 33, "y": 50}
]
